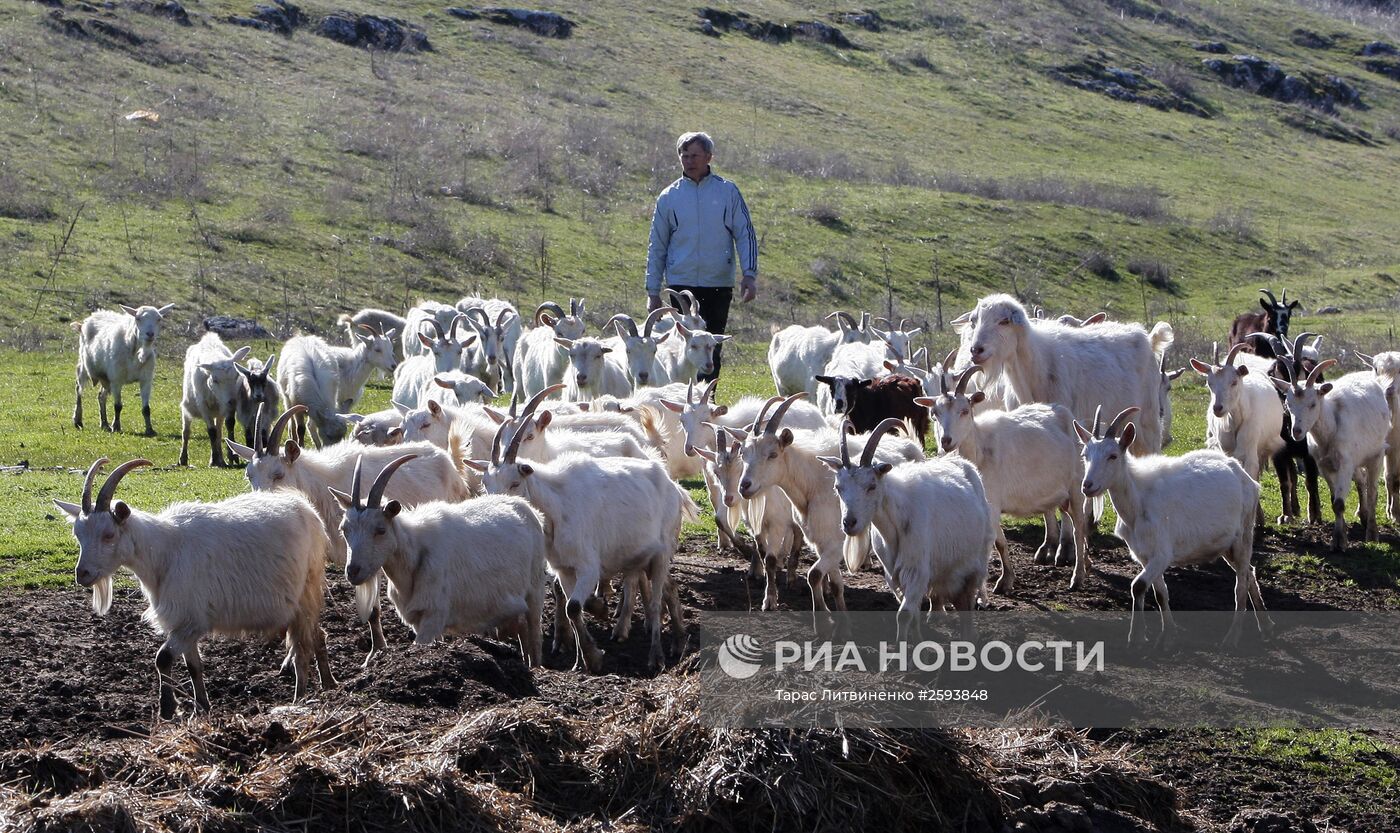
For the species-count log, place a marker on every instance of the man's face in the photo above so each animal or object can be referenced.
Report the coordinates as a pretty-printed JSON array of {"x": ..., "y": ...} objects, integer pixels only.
[{"x": 694, "y": 160}]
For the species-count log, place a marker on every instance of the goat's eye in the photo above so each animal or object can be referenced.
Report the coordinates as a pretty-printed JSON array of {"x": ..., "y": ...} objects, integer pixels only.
[
  {"x": 109, "y": 536},
  {"x": 1003, "y": 322},
  {"x": 1113, "y": 456},
  {"x": 379, "y": 530},
  {"x": 870, "y": 488},
  {"x": 773, "y": 456},
  {"x": 965, "y": 412}
]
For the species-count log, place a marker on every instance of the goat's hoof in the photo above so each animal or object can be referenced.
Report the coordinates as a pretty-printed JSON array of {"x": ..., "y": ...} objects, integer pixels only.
[
  {"x": 1042, "y": 556},
  {"x": 149, "y": 432}
]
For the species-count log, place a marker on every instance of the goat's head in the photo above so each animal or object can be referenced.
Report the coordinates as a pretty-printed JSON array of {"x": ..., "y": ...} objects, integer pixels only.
[
  {"x": 371, "y": 536},
  {"x": 953, "y": 411},
  {"x": 700, "y": 348},
  {"x": 258, "y": 386},
  {"x": 272, "y": 465},
  {"x": 860, "y": 485},
  {"x": 1106, "y": 453},
  {"x": 1164, "y": 398},
  {"x": 99, "y": 526},
  {"x": 1223, "y": 380},
  {"x": 1304, "y": 401},
  {"x": 695, "y": 414},
  {"x": 570, "y": 326},
  {"x": 1277, "y": 313},
  {"x": 147, "y": 320},
  {"x": 843, "y": 391},
  {"x": 996, "y": 327},
  {"x": 640, "y": 346},
  {"x": 222, "y": 380},
  {"x": 724, "y": 462},
  {"x": 465, "y": 387},
  {"x": 429, "y": 423},
  {"x": 898, "y": 340},
  {"x": 585, "y": 359},
  {"x": 378, "y": 348},
  {"x": 763, "y": 451}
]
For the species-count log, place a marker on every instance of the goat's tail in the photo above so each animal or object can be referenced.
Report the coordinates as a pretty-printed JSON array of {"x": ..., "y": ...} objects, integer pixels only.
[
  {"x": 1161, "y": 338},
  {"x": 690, "y": 510},
  {"x": 774, "y": 329}
]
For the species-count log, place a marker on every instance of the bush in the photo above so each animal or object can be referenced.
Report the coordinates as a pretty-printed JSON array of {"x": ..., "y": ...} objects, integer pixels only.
[
  {"x": 1175, "y": 78},
  {"x": 1099, "y": 263},
  {"x": 825, "y": 211},
  {"x": 1153, "y": 271},
  {"x": 1235, "y": 222}
]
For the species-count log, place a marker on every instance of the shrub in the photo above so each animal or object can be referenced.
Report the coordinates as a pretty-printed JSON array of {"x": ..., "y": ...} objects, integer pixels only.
[
  {"x": 1235, "y": 222},
  {"x": 1099, "y": 263},
  {"x": 1153, "y": 271}
]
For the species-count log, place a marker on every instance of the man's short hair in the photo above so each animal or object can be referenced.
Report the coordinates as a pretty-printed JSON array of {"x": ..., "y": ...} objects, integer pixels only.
[{"x": 688, "y": 139}]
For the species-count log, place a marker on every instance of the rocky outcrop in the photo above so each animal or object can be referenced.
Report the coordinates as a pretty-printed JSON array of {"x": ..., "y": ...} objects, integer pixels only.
[
  {"x": 1095, "y": 74},
  {"x": 1261, "y": 77},
  {"x": 170, "y": 10},
  {"x": 281, "y": 17},
  {"x": 1379, "y": 47},
  {"x": 230, "y": 327},
  {"x": 543, "y": 23},
  {"x": 715, "y": 22},
  {"x": 373, "y": 32}
]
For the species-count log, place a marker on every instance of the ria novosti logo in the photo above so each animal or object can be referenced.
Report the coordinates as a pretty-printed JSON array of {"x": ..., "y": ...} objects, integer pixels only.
[{"x": 740, "y": 656}]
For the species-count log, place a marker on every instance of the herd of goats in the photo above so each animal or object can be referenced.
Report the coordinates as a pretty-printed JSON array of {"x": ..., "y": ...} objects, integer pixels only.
[{"x": 472, "y": 512}]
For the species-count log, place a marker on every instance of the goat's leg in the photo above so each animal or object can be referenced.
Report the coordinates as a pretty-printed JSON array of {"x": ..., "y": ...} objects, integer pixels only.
[
  {"x": 116, "y": 408},
  {"x": 1310, "y": 473},
  {"x": 660, "y": 565},
  {"x": 1007, "y": 582},
  {"x": 1046, "y": 551},
  {"x": 1287, "y": 486},
  {"x": 145, "y": 403},
  {"x": 165, "y": 666},
  {"x": 195, "y": 664},
  {"x": 1339, "y": 483},
  {"x": 1079, "y": 528},
  {"x": 185, "y": 423},
  {"x": 78, "y": 398},
  {"x": 584, "y": 580},
  {"x": 216, "y": 443}
]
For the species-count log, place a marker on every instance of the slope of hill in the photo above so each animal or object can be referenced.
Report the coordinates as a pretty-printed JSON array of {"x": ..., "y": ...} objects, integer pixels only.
[{"x": 1081, "y": 153}]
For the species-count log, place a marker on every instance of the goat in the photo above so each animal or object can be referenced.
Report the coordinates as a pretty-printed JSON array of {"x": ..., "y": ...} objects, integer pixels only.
[
  {"x": 1029, "y": 462},
  {"x": 465, "y": 389},
  {"x": 457, "y": 568},
  {"x": 590, "y": 375},
  {"x": 1296, "y": 361},
  {"x": 868, "y": 402},
  {"x": 588, "y": 541},
  {"x": 1164, "y": 401},
  {"x": 539, "y": 362},
  {"x": 1108, "y": 365},
  {"x": 643, "y": 365},
  {"x": 114, "y": 350},
  {"x": 1273, "y": 320},
  {"x": 431, "y": 423},
  {"x": 498, "y": 324},
  {"x": 413, "y": 379},
  {"x": 379, "y": 428},
  {"x": 1387, "y": 369},
  {"x": 1245, "y": 414},
  {"x": 257, "y": 388},
  {"x": 849, "y": 363},
  {"x": 375, "y": 321},
  {"x": 253, "y": 563},
  {"x": 768, "y": 515},
  {"x": 1346, "y": 423},
  {"x": 932, "y": 525},
  {"x": 421, "y": 314},
  {"x": 1175, "y": 511},
  {"x": 209, "y": 393},
  {"x": 797, "y": 353},
  {"x": 273, "y": 467},
  {"x": 898, "y": 340},
  {"x": 328, "y": 380},
  {"x": 690, "y": 354},
  {"x": 790, "y": 462}
]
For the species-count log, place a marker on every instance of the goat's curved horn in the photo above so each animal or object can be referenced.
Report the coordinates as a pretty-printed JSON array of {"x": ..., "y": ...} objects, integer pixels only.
[
  {"x": 690, "y": 392},
  {"x": 886, "y": 425},
  {"x": 87, "y": 483},
  {"x": 1215, "y": 352},
  {"x": 513, "y": 449},
  {"x": 456, "y": 321},
  {"x": 538, "y": 398},
  {"x": 865, "y": 321},
  {"x": 654, "y": 317},
  {"x": 576, "y": 307},
  {"x": 675, "y": 297},
  {"x": 496, "y": 444},
  {"x": 1272, "y": 299},
  {"x": 1117, "y": 424},
  {"x": 355, "y": 482},
  {"x": 627, "y": 321},
  {"x": 274, "y": 437},
  {"x": 376, "y": 490},
  {"x": 781, "y": 411},
  {"x": 962, "y": 380},
  {"x": 948, "y": 360},
  {"x": 1098, "y": 421},
  {"x": 1280, "y": 346},
  {"x": 708, "y": 394},
  {"x": 846, "y": 428},
  {"x": 478, "y": 316},
  {"x": 548, "y": 306},
  {"x": 1298, "y": 343},
  {"x": 501, "y": 317},
  {"x": 1287, "y": 368},
  {"x": 1284, "y": 302},
  {"x": 1321, "y": 366},
  {"x": 845, "y": 317},
  {"x": 1234, "y": 351},
  {"x": 437, "y": 327},
  {"x": 260, "y": 429},
  {"x": 109, "y": 487},
  {"x": 758, "y": 421}
]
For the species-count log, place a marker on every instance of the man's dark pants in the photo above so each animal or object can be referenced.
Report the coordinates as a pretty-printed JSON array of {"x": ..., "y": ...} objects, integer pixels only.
[{"x": 714, "y": 308}]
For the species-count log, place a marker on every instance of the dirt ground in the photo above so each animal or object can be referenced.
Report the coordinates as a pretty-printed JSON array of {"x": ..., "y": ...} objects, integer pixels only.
[{"x": 70, "y": 681}]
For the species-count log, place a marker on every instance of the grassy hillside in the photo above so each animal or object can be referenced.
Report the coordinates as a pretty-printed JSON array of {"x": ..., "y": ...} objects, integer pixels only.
[{"x": 290, "y": 178}]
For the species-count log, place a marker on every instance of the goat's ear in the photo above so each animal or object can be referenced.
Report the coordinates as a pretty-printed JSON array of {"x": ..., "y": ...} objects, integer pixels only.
[
  {"x": 883, "y": 469},
  {"x": 340, "y": 496},
  {"x": 833, "y": 463},
  {"x": 469, "y": 341},
  {"x": 722, "y": 339},
  {"x": 391, "y": 509},
  {"x": 719, "y": 410},
  {"x": 785, "y": 438},
  {"x": 705, "y": 454},
  {"x": 400, "y": 407},
  {"x": 1084, "y": 435},
  {"x": 889, "y": 365},
  {"x": 121, "y": 511},
  {"x": 977, "y": 397},
  {"x": 443, "y": 383},
  {"x": 1174, "y": 374},
  {"x": 1241, "y": 370},
  {"x": 674, "y": 407},
  {"x": 355, "y": 419},
  {"x": 427, "y": 342},
  {"x": 395, "y": 433},
  {"x": 240, "y": 353},
  {"x": 434, "y": 408},
  {"x": 526, "y": 469},
  {"x": 663, "y": 336},
  {"x": 825, "y": 380},
  {"x": 1324, "y": 388},
  {"x": 243, "y": 371},
  {"x": 1200, "y": 367},
  {"x": 239, "y": 449},
  {"x": 1294, "y": 304},
  {"x": 1129, "y": 431},
  {"x": 924, "y": 401},
  {"x": 564, "y": 342},
  {"x": 1283, "y": 387},
  {"x": 477, "y": 465},
  {"x": 163, "y": 310},
  {"x": 72, "y": 510},
  {"x": 607, "y": 349},
  {"x": 864, "y": 383},
  {"x": 292, "y": 450},
  {"x": 543, "y": 420},
  {"x": 128, "y": 310}
]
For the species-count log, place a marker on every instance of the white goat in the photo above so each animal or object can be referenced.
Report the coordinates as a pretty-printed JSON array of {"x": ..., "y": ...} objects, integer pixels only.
[
  {"x": 1110, "y": 366},
  {"x": 690, "y": 354},
  {"x": 413, "y": 379},
  {"x": 328, "y": 380},
  {"x": 432, "y": 423},
  {"x": 458, "y": 388},
  {"x": 697, "y": 416},
  {"x": 459, "y": 568},
  {"x": 210, "y": 393},
  {"x": 421, "y": 314},
  {"x": 1245, "y": 415},
  {"x": 589, "y": 541},
  {"x": 1175, "y": 511},
  {"x": 590, "y": 374},
  {"x": 253, "y": 563},
  {"x": 932, "y": 526},
  {"x": 375, "y": 321},
  {"x": 498, "y": 324},
  {"x": 644, "y": 365},
  {"x": 790, "y": 462},
  {"x": 540, "y": 362},
  {"x": 257, "y": 388},
  {"x": 114, "y": 350},
  {"x": 379, "y": 428},
  {"x": 1347, "y": 423},
  {"x": 1387, "y": 369},
  {"x": 1029, "y": 462},
  {"x": 899, "y": 341},
  {"x": 272, "y": 466},
  {"x": 797, "y": 353}
]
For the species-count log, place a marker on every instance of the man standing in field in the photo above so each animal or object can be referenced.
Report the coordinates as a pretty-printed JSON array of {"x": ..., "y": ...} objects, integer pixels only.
[{"x": 700, "y": 221}]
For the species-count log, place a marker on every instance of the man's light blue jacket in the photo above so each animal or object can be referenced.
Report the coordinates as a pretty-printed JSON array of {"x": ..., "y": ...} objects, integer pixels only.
[{"x": 694, "y": 234}]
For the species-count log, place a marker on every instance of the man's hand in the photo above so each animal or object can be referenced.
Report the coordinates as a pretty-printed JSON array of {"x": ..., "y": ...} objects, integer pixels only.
[
  {"x": 748, "y": 289},
  {"x": 653, "y": 303}
]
